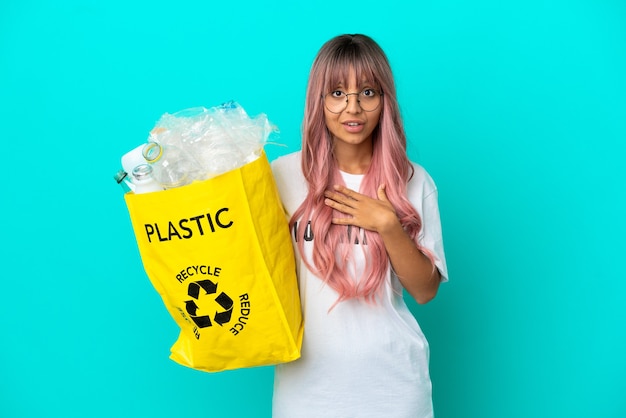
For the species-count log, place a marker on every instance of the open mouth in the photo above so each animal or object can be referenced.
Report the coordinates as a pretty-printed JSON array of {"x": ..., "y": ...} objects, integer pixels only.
[{"x": 354, "y": 127}]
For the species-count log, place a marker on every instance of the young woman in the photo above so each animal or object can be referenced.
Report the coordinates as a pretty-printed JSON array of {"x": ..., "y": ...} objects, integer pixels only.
[{"x": 365, "y": 225}]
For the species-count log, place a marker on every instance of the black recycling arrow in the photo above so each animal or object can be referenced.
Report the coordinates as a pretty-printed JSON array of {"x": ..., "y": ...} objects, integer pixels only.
[
  {"x": 227, "y": 303},
  {"x": 224, "y": 300},
  {"x": 194, "y": 288},
  {"x": 191, "y": 307},
  {"x": 202, "y": 321},
  {"x": 223, "y": 317},
  {"x": 208, "y": 286}
]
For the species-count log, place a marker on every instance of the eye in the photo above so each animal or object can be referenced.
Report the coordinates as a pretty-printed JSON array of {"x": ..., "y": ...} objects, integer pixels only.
[
  {"x": 369, "y": 93},
  {"x": 337, "y": 94}
]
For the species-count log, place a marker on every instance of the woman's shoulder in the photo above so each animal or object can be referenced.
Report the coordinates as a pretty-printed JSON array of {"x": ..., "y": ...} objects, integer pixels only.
[
  {"x": 287, "y": 161},
  {"x": 289, "y": 180},
  {"x": 421, "y": 181}
]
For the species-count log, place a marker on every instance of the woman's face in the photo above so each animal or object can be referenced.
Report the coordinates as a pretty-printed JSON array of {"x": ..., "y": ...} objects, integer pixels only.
[{"x": 353, "y": 125}]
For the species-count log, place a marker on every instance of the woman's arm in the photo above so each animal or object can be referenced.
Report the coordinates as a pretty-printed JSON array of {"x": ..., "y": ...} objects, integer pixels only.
[{"x": 416, "y": 272}]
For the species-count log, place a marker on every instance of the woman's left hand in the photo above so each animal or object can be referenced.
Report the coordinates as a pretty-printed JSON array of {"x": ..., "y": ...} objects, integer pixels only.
[{"x": 372, "y": 214}]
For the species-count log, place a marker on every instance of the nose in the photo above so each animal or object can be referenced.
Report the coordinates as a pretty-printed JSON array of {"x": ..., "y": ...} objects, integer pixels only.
[{"x": 353, "y": 106}]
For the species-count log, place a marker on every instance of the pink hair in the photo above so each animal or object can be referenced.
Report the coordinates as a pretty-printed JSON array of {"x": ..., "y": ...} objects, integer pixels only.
[{"x": 389, "y": 166}]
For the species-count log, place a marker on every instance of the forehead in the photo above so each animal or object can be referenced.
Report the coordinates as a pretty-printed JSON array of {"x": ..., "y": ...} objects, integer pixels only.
[
  {"x": 350, "y": 75},
  {"x": 351, "y": 82}
]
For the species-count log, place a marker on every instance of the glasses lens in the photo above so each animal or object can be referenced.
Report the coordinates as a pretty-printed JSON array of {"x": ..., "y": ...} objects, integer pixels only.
[
  {"x": 337, "y": 101},
  {"x": 369, "y": 99}
]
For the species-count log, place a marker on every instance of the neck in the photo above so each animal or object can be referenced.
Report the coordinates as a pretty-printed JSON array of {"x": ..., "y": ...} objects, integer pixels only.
[{"x": 353, "y": 159}]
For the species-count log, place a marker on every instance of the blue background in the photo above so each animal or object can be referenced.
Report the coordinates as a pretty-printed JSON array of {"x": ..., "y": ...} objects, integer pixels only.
[{"x": 517, "y": 109}]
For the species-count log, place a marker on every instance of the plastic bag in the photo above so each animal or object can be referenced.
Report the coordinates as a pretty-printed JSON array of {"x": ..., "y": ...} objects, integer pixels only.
[
  {"x": 215, "y": 244},
  {"x": 220, "y": 255}
]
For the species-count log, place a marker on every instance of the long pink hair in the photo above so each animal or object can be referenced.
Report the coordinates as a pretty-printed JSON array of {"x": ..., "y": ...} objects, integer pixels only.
[{"x": 389, "y": 165}]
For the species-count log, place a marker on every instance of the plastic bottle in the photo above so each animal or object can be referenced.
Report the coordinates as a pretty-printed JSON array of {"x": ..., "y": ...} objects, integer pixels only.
[
  {"x": 171, "y": 166},
  {"x": 133, "y": 158},
  {"x": 144, "y": 181},
  {"x": 121, "y": 177}
]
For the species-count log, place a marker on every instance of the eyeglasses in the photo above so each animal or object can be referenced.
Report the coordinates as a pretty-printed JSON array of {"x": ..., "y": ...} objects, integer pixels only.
[{"x": 337, "y": 101}]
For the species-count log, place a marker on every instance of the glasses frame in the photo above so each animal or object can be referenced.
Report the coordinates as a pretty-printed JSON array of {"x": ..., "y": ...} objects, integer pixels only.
[{"x": 357, "y": 99}]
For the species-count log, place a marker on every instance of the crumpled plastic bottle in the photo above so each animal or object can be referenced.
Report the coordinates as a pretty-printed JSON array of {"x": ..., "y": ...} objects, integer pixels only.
[{"x": 171, "y": 166}]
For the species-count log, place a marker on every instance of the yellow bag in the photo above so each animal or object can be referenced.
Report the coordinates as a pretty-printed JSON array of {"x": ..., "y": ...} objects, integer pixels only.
[{"x": 220, "y": 255}]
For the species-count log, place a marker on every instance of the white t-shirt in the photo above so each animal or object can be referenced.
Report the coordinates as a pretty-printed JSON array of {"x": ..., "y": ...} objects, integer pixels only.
[{"x": 358, "y": 359}]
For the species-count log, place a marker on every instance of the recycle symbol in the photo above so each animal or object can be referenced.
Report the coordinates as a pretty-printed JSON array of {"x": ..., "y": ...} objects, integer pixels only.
[{"x": 223, "y": 300}]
